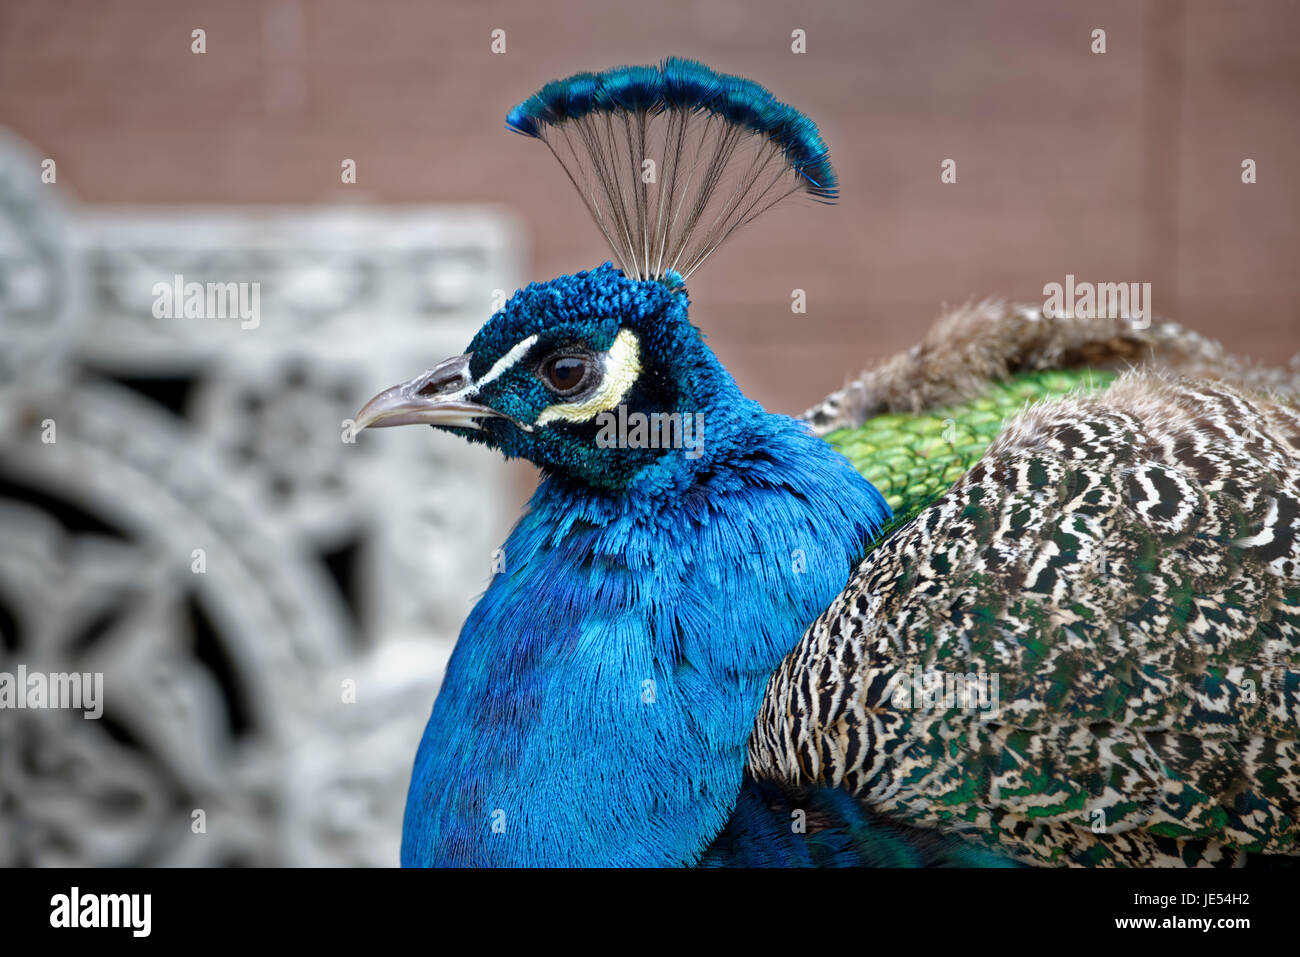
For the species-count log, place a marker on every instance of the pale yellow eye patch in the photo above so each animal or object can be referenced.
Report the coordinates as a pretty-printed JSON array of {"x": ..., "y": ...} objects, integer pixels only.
[{"x": 622, "y": 368}]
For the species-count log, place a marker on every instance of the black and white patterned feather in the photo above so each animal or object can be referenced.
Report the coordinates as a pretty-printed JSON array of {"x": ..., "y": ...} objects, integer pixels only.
[{"x": 1127, "y": 567}]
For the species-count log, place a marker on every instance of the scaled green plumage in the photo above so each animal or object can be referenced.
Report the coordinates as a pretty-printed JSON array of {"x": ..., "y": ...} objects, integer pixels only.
[{"x": 913, "y": 457}]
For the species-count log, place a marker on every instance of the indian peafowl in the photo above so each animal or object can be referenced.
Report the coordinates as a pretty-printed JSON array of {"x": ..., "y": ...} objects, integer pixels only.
[{"x": 1027, "y": 594}]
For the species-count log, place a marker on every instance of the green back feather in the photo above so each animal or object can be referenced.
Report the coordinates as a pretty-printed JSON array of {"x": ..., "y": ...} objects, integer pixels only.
[{"x": 913, "y": 458}]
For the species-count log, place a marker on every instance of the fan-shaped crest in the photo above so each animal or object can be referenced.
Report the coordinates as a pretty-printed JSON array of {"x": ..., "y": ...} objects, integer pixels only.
[{"x": 671, "y": 160}]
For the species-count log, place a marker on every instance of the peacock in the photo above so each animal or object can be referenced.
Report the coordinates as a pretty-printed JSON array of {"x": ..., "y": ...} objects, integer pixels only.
[{"x": 1026, "y": 594}]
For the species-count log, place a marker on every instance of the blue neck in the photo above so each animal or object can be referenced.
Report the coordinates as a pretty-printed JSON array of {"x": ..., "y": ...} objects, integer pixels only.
[{"x": 598, "y": 703}]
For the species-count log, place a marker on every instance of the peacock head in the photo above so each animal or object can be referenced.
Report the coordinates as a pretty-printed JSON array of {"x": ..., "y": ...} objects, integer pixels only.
[
  {"x": 582, "y": 375},
  {"x": 594, "y": 376}
]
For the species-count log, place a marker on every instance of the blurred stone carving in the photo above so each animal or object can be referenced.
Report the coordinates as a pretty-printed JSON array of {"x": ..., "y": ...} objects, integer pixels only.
[{"x": 271, "y": 605}]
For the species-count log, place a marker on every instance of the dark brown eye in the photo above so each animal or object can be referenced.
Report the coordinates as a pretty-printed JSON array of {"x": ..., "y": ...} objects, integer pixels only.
[{"x": 564, "y": 374}]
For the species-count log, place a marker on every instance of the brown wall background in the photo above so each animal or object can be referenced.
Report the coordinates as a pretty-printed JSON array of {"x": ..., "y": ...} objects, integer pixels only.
[{"x": 1116, "y": 167}]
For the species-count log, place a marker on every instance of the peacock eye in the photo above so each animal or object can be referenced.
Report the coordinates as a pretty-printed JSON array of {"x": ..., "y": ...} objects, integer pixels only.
[{"x": 565, "y": 374}]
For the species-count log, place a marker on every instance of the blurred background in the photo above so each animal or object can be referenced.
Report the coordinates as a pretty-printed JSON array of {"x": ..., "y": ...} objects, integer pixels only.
[{"x": 271, "y": 605}]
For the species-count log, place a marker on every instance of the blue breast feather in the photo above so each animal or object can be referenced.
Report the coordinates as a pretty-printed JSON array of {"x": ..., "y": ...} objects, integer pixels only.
[
  {"x": 827, "y": 827},
  {"x": 597, "y": 705}
]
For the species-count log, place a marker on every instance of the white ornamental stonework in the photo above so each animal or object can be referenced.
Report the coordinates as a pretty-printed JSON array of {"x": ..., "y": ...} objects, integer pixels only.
[{"x": 270, "y": 605}]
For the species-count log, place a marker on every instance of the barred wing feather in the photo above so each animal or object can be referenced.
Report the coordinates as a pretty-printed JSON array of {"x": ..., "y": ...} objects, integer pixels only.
[{"x": 1126, "y": 566}]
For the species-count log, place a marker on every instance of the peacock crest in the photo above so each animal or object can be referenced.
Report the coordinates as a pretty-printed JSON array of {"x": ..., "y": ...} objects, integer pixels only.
[{"x": 672, "y": 159}]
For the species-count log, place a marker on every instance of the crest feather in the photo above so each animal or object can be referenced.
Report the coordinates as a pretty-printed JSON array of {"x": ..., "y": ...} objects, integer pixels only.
[{"x": 671, "y": 160}]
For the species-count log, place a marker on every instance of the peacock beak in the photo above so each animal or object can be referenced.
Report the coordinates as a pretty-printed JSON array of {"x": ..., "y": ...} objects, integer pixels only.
[{"x": 439, "y": 396}]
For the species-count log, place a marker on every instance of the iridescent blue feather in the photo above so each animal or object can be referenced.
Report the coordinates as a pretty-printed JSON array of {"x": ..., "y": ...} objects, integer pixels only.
[
  {"x": 598, "y": 703},
  {"x": 692, "y": 579},
  {"x": 672, "y": 159}
]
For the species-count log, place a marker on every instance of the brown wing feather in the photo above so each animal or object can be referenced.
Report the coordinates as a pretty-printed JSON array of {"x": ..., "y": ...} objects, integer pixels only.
[{"x": 1128, "y": 567}]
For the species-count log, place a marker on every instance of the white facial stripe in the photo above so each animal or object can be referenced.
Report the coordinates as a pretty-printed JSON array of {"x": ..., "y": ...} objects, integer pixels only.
[
  {"x": 622, "y": 367},
  {"x": 509, "y": 359}
]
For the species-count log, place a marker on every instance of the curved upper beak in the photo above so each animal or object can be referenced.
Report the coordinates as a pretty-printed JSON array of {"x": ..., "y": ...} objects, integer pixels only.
[{"x": 440, "y": 396}]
